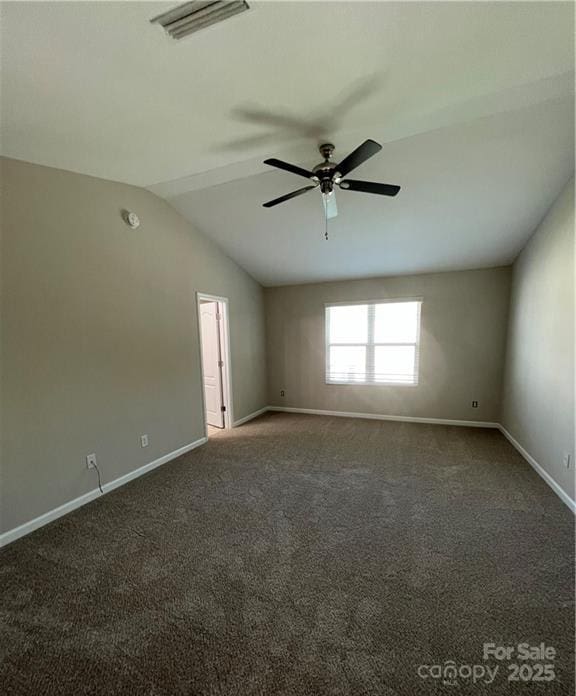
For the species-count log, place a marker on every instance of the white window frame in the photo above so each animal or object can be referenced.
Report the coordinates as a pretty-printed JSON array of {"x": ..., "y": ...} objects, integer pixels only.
[{"x": 370, "y": 345}]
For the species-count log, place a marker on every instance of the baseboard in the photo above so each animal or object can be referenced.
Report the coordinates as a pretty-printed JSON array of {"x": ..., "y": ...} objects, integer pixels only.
[
  {"x": 377, "y": 416},
  {"x": 554, "y": 485},
  {"x": 13, "y": 534},
  {"x": 28, "y": 527},
  {"x": 249, "y": 417}
]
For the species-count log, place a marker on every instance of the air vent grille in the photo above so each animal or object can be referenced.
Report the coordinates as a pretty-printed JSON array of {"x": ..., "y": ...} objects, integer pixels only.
[{"x": 193, "y": 16}]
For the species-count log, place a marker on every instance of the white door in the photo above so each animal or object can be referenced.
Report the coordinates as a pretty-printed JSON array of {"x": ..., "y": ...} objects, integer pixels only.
[{"x": 212, "y": 363}]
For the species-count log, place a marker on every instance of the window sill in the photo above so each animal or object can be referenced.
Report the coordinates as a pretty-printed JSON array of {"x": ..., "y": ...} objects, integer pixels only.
[{"x": 372, "y": 384}]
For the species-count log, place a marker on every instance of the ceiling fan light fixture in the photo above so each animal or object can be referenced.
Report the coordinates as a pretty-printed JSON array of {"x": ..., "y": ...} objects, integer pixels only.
[{"x": 330, "y": 207}]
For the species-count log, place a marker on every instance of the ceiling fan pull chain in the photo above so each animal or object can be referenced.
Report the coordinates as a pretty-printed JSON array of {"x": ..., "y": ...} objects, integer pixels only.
[{"x": 326, "y": 230}]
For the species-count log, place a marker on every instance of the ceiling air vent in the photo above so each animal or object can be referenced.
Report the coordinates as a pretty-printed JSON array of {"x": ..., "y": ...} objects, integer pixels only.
[{"x": 199, "y": 14}]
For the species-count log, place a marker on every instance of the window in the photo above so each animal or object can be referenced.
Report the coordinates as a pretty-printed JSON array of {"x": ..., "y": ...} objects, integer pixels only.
[{"x": 373, "y": 342}]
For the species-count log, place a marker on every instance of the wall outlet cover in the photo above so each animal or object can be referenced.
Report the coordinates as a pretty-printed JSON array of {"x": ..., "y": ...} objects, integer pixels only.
[
  {"x": 144, "y": 440},
  {"x": 91, "y": 461}
]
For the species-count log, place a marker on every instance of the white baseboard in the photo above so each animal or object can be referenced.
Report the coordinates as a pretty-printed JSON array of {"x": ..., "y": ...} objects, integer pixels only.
[
  {"x": 249, "y": 417},
  {"x": 554, "y": 485},
  {"x": 13, "y": 534},
  {"x": 47, "y": 517},
  {"x": 377, "y": 416}
]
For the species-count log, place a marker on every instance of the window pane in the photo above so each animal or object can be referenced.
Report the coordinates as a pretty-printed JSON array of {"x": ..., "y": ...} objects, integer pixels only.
[
  {"x": 396, "y": 322},
  {"x": 394, "y": 363},
  {"x": 347, "y": 364},
  {"x": 348, "y": 324}
]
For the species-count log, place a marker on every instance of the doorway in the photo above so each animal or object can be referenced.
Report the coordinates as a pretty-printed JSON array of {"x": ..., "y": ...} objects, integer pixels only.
[{"x": 214, "y": 352}]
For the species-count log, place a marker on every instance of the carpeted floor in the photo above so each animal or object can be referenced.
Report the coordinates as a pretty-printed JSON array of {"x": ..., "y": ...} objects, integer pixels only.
[{"x": 298, "y": 556}]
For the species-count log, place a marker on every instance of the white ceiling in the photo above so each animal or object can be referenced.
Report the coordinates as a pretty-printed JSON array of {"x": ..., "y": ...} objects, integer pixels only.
[
  {"x": 473, "y": 103},
  {"x": 471, "y": 194}
]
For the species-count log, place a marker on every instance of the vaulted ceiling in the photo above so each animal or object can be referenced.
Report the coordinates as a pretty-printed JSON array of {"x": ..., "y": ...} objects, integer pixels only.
[{"x": 473, "y": 103}]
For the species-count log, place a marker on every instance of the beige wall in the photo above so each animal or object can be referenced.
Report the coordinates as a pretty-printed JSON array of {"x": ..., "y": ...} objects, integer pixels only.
[
  {"x": 463, "y": 331},
  {"x": 100, "y": 344},
  {"x": 99, "y": 334},
  {"x": 538, "y": 403}
]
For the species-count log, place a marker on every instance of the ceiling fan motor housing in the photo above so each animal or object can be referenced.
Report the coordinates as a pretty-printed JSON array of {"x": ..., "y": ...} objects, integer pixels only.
[{"x": 326, "y": 172}]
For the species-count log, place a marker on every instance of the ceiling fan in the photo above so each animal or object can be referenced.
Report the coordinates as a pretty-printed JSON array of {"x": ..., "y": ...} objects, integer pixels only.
[{"x": 328, "y": 174}]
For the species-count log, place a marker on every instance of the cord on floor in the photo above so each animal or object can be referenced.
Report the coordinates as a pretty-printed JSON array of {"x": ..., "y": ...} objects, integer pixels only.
[{"x": 99, "y": 481}]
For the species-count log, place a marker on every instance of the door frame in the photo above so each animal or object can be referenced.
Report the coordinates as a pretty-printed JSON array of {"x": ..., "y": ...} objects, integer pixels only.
[{"x": 225, "y": 349}]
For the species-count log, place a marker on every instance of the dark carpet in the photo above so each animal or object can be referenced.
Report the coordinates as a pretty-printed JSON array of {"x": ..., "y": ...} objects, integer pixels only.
[{"x": 299, "y": 556}]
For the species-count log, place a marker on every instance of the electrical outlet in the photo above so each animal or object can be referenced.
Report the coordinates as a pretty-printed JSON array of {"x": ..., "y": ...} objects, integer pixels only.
[
  {"x": 91, "y": 461},
  {"x": 474, "y": 404},
  {"x": 144, "y": 440},
  {"x": 282, "y": 392},
  {"x": 566, "y": 460}
]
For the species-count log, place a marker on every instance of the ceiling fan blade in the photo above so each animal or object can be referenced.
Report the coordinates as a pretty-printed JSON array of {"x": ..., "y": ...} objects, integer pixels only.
[
  {"x": 288, "y": 196},
  {"x": 330, "y": 207},
  {"x": 358, "y": 156},
  {"x": 369, "y": 187},
  {"x": 289, "y": 168}
]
